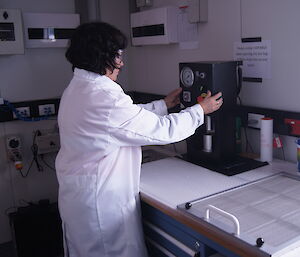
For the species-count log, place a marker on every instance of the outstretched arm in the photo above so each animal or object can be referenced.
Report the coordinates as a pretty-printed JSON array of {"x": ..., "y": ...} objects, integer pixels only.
[{"x": 173, "y": 98}]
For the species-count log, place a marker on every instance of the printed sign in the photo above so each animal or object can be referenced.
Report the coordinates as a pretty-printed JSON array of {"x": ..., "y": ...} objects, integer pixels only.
[{"x": 256, "y": 57}]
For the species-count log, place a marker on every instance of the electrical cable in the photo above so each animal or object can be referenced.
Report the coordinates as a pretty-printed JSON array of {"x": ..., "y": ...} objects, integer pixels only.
[
  {"x": 248, "y": 145},
  {"x": 245, "y": 132},
  {"x": 34, "y": 150},
  {"x": 240, "y": 80},
  {"x": 27, "y": 172},
  {"x": 247, "y": 141},
  {"x": 240, "y": 100}
]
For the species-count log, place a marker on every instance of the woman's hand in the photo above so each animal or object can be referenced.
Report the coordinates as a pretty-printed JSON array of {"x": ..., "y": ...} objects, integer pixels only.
[
  {"x": 173, "y": 98},
  {"x": 211, "y": 103}
]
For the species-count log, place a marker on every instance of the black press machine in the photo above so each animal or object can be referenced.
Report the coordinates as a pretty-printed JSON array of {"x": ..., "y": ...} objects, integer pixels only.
[{"x": 213, "y": 145}]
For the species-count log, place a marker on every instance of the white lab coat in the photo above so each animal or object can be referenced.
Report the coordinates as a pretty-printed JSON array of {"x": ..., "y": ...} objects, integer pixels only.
[{"x": 98, "y": 165}]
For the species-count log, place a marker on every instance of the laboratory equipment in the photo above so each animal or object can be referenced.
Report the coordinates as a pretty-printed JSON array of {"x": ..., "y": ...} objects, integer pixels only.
[
  {"x": 263, "y": 213},
  {"x": 214, "y": 143}
]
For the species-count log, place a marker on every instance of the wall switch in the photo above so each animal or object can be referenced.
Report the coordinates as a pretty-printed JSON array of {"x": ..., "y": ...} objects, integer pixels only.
[
  {"x": 254, "y": 120},
  {"x": 46, "y": 109},
  {"x": 22, "y": 111}
]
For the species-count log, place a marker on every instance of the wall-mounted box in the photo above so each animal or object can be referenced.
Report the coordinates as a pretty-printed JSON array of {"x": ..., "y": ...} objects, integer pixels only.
[
  {"x": 197, "y": 10},
  {"x": 143, "y": 3},
  {"x": 11, "y": 32},
  {"x": 49, "y": 29},
  {"x": 155, "y": 26}
]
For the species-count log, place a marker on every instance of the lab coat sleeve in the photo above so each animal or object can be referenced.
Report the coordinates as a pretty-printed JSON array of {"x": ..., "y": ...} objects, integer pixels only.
[
  {"x": 159, "y": 107},
  {"x": 132, "y": 125}
]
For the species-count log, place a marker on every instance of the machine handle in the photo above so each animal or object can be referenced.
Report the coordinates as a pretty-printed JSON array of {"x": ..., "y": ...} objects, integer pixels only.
[{"x": 224, "y": 214}]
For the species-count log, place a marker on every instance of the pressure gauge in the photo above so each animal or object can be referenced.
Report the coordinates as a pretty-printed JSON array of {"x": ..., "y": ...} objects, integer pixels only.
[{"x": 187, "y": 77}]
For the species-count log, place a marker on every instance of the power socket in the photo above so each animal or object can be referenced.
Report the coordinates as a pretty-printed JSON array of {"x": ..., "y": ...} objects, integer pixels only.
[
  {"x": 22, "y": 111},
  {"x": 48, "y": 143},
  {"x": 46, "y": 109},
  {"x": 14, "y": 148}
]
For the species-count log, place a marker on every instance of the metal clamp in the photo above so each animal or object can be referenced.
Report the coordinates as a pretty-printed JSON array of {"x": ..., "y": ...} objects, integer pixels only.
[{"x": 224, "y": 214}]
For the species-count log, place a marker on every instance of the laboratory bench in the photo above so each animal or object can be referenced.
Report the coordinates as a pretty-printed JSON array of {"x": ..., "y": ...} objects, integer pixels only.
[{"x": 170, "y": 186}]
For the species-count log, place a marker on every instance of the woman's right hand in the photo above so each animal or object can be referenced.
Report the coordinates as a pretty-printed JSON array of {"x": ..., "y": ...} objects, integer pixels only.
[{"x": 211, "y": 103}]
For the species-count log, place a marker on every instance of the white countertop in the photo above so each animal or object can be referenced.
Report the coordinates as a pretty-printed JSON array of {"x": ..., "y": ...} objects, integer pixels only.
[{"x": 173, "y": 181}]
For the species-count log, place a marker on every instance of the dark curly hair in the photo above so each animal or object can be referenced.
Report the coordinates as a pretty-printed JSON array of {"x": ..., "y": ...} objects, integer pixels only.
[{"x": 94, "y": 47}]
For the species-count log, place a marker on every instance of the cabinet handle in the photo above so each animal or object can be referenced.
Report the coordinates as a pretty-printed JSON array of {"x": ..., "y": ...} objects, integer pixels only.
[{"x": 224, "y": 214}]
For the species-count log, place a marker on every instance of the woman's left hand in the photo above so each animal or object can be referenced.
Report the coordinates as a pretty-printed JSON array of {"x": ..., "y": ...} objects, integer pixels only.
[{"x": 172, "y": 99}]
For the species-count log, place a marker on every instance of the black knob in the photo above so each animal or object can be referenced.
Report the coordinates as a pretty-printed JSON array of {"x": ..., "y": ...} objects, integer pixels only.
[
  {"x": 202, "y": 75},
  {"x": 14, "y": 143},
  {"x": 259, "y": 242},
  {"x": 188, "y": 205},
  {"x": 5, "y": 15}
]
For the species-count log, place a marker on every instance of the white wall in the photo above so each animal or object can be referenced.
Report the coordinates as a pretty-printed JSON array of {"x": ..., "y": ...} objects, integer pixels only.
[
  {"x": 116, "y": 12},
  {"x": 44, "y": 73},
  {"x": 154, "y": 69},
  {"x": 277, "y": 21},
  {"x": 38, "y": 74}
]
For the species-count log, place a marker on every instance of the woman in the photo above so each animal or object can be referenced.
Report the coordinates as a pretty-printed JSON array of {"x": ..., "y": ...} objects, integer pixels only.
[{"x": 101, "y": 131}]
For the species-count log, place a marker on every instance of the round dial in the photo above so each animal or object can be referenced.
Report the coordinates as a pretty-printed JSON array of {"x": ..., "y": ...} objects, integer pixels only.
[{"x": 187, "y": 76}]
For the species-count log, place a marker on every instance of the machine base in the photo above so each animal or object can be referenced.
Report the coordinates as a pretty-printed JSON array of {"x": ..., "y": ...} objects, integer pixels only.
[{"x": 229, "y": 167}]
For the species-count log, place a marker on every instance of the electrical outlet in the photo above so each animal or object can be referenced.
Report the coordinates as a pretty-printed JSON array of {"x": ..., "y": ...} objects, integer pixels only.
[
  {"x": 48, "y": 143},
  {"x": 254, "y": 120},
  {"x": 46, "y": 109},
  {"x": 14, "y": 149},
  {"x": 22, "y": 111}
]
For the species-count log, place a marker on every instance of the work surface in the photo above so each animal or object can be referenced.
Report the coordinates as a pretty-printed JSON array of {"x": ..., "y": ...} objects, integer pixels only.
[{"x": 172, "y": 182}]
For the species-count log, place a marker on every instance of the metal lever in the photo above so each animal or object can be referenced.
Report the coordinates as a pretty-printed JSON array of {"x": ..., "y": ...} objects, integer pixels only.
[{"x": 224, "y": 214}]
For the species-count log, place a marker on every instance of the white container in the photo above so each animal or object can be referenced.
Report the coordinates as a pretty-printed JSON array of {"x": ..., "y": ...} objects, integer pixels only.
[{"x": 266, "y": 140}]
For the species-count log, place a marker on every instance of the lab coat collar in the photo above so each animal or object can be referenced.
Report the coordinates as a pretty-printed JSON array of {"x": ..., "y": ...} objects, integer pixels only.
[
  {"x": 87, "y": 74},
  {"x": 92, "y": 76}
]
